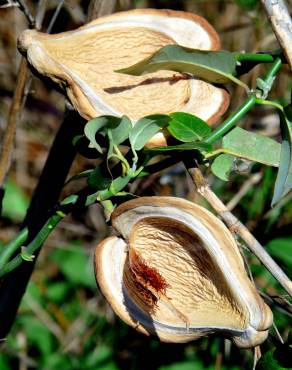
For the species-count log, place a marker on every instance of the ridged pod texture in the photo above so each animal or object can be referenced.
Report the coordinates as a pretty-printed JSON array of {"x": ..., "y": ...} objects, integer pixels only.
[
  {"x": 83, "y": 62},
  {"x": 176, "y": 271}
]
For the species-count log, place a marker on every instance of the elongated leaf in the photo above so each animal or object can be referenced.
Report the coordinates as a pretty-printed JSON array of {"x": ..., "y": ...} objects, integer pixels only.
[
  {"x": 203, "y": 147},
  {"x": 116, "y": 186},
  {"x": 283, "y": 182},
  {"x": 212, "y": 66},
  {"x": 255, "y": 147},
  {"x": 222, "y": 166},
  {"x": 187, "y": 127},
  {"x": 97, "y": 180},
  {"x": 145, "y": 128},
  {"x": 119, "y": 127},
  {"x": 80, "y": 175},
  {"x": 91, "y": 128}
]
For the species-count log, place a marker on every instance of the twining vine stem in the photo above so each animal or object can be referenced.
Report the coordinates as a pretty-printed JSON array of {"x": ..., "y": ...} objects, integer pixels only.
[{"x": 244, "y": 108}]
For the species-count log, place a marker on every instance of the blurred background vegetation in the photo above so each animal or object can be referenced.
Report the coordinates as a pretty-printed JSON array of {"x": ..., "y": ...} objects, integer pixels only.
[{"x": 64, "y": 322}]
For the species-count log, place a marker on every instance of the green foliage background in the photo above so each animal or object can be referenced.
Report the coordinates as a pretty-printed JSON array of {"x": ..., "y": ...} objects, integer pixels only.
[{"x": 64, "y": 322}]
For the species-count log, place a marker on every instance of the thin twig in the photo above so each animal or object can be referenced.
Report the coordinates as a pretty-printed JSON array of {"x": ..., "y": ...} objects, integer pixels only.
[
  {"x": 55, "y": 16},
  {"x": 253, "y": 180},
  {"x": 8, "y": 139},
  {"x": 40, "y": 13},
  {"x": 19, "y": 95},
  {"x": 237, "y": 227},
  {"x": 280, "y": 20},
  {"x": 10, "y": 4},
  {"x": 45, "y": 318},
  {"x": 24, "y": 8},
  {"x": 279, "y": 302},
  {"x": 256, "y": 356},
  {"x": 278, "y": 333},
  {"x": 99, "y": 8}
]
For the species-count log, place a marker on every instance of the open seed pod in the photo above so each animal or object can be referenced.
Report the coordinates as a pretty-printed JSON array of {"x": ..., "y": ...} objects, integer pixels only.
[
  {"x": 83, "y": 62},
  {"x": 176, "y": 271}
]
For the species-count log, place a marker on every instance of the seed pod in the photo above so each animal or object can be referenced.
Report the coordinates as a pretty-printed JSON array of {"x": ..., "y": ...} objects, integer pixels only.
[
  {"x": 83, "y": 62},
  {"x": 175, "y": 271}
]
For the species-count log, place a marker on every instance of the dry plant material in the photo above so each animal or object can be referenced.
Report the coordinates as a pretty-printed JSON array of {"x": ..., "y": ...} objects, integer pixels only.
[
  {"x": 83, "y": 62},
  {"x": 176, "y": 271}
]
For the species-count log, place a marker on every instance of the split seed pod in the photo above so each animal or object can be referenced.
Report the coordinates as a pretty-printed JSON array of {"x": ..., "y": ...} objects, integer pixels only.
[
  {"x": 83, "y": 62},
  {"x": 175, "y": 271}
]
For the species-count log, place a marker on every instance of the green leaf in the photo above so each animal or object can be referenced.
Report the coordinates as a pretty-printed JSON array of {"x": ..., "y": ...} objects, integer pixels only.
[
  {"x": 97, "y": 180},
  {"x": 145, "y": 128},
  {"x": 116, "y": 186},
  {"x": 212, "y": 66},
  {"x": 202, "y": 147},
  {"x": 247, "y": 4},
  {"x": 281, "y": 249},
  {"x": 283, "y": 182},
  {"x": 56, "y": 361},
  {"x": 120, "y": 128},
  {"x": 187, "y": 127},
  {"x": 108, "y": 208},
  {"x": 75, "y": 264},
  {"x": 4, "y": 362},
  {"x": 57, "y": 292},
  {"x": 278, "y": 358},
  {"x": 91, "y": 129},
  {"x": 251, "y": 146},
  {"x": 222, "y": 166},
  {"x": 15, "y": 202},
  {"x": 38, "y": 335}
]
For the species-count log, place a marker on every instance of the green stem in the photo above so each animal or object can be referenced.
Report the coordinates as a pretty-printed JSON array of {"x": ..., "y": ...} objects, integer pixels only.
[
  {"x": 120, "y": 156},
  {"x": 231, "y": 121},
  {"x": 261, "y": 58},
  {"x": 35, "y": 244},
  {"x": 272, "y": 72},
  {"x": 214, "y": 153},
  {"x": 270, "y": 103},
  {"x": 244, "y": 108},
  {"x": 12, "y": 247}
]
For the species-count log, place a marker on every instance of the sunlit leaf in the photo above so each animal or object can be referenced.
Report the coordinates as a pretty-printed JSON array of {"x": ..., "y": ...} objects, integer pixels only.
[
  {"x": 120, "y": 128},
  {"x": 212, "y": 66},
  {"x": 91, "y": 129},
  {"x": 222, "y": 166},
  {"x": 117, "y": 185},
  {"x": 283, "y": 182},
  {"x": 252, "y": 146},
  {"x": 146, "y": 128},
  {"x": 75, "y": 265},
  {"x": 57, "y": 291},
  {"x": 15, "y": 202},
  {"x": 281, "y": 249},
  {"x": 187, "y": 127}
]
